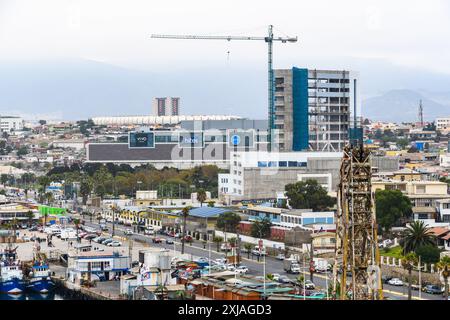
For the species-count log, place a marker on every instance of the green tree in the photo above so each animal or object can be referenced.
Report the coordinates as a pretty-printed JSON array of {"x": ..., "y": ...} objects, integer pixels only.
[
  {"x": 217, "y": 240},
  {"x": 248, "y": 247},
  {"x": 76, "y": 222},
  {"x": 444, "y": 267},
  {"x": 185, "y": 214},
  {"x": 4, "y": 178},
  {"x": 85, "y": 188},
  {"x": 228, "y": 221},
  {"x": 22, "y": 151},
  {"x": 261, "y": 228},
  {"x": 417, "y": 234},
  {"x": 201, "y": 196},
  {"x": 402, "y": 143},
  {"x": 408, "y": 263},
  {"x": 391, "y": 206},
  {"x": 428, "y": 253},
  {"x": 211, "y": 204},
  {"x": 308, "y": 195},
  {"x": 30, "y": 217},
  {"x": 101, "y": 178}
]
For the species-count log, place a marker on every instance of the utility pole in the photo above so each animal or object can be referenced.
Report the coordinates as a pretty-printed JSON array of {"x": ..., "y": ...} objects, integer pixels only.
[{"x": 311, "y": 262}]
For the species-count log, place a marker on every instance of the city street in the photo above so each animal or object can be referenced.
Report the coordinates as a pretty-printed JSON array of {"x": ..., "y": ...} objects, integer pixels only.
[{"x": 255, "y": 267}]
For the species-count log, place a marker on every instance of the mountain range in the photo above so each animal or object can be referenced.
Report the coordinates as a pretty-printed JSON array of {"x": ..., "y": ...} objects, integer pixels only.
[{"x": 80, "y": 89}]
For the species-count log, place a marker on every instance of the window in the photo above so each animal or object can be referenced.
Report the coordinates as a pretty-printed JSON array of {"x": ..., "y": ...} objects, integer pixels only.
[
  {"x": 279, "y": 81},
  {"x": 262, "y": 164},
  {"x": 292, "y": 163},
  {"x": 282, "y": 163}
]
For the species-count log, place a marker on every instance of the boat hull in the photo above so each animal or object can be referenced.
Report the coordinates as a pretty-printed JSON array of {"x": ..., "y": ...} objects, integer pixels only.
[
  {"x": 41, "y": 285},
  {"x": 12, "y": 286}
]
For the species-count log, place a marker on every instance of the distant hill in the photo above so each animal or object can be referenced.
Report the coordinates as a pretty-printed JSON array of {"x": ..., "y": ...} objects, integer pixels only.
[{"x": 403, "y": 106}]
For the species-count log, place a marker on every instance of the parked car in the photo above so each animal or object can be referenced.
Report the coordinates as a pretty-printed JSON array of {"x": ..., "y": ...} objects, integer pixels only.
[
  {"x": 395, "y": 282},
  {"x": 156, "y": 240},
  {"x": 276, "y": 276},
  {"x": 90, "y": 236},
  {"x": 99, "y": 239},
  {"x": 26, "y": 238},
  {"x": 169, "y": 241},
  {"x": 385, "y": 279},
  {"x": 433, "y": 289},
  {"x": 284, "y": 279},
  {"x": 186, "y": 239},
  {"x": 33, "y": 228},
  {"x": 105, "y": 242},
  {"x": 220, "y": 261},
  {"x": 128, "y": 232},
  {"x": 114, "y": 243},
  {"x": 309, "y": 285},
  {"x": 280, "y": 256},
  {"x": 177, "y": 235},
  {"x": 241, "y": 269}
]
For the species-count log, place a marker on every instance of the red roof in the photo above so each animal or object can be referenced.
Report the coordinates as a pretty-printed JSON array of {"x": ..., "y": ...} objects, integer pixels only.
[{"x": 437, "y": 231}]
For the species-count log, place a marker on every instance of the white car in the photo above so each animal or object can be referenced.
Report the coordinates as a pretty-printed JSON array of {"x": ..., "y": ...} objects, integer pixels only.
[
  {"x": 220, "y": 261},
  {"x": 395, "y": 282},
  {"x": 128, "y": 232},
  {"x": 276, "y": 276},
  {"x": 26, "y": 238},
  {"x": 241, "y": 269},
  {"x": 114, "y": 244}
]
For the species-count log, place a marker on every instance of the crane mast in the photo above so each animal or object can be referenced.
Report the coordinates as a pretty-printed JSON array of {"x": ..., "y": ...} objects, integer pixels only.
[{"x": 269, "y": 40}]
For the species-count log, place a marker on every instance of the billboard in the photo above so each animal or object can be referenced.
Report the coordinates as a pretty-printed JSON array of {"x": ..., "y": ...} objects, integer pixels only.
[
  {"x": 190, "y": 139},
  {"x": 241, "y": 138},
  {"x": 141, "y": 140}
]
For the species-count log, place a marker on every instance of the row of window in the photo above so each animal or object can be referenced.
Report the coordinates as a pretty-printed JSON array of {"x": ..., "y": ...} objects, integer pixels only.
[{"x": 289, "y": 164}]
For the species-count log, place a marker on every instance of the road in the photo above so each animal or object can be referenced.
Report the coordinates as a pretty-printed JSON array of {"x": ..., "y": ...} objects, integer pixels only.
[{"x": 255, "y": 267}]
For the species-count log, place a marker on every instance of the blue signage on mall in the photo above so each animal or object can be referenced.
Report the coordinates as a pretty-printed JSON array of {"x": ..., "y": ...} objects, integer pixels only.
[{"x": 235, "y": 139}]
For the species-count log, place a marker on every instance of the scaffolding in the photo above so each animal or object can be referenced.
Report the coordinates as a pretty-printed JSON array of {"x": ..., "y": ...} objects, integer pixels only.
[{"x": 356, "y": 272}]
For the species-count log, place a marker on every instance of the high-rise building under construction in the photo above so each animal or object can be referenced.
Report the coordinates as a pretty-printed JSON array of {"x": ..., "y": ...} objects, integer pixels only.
[{"x": 314, "y": 109}]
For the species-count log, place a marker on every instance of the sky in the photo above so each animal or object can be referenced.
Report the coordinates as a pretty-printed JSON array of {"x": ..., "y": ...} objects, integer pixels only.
[{"x": 333, "y": 34}]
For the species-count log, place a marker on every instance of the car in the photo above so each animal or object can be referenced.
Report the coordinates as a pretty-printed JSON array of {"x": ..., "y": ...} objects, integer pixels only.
[
  {"x": 385, "y": 279},
  {"x": 433, "y": 289},
  {"x": 33, "y": 228},
  {"x": 26, "y": 238},
  {"x": 276, "y": 276},
  {"x": 415, "y": 287},
  {"x": 177, "y": 235},
  {"x": 114, "y": 243},
  {"x": 284, "y": 279},
  {"x": 128, "y": 232},
  {"x": 395, "y": 282},
  {"x": 99, "y": 239},
  {"x": 90, "y": 236},
  {"x": 161, "y": 231},
  {"x": 105, "y": 242},
  {"x": 186, "y": 239},
  {"x": 169, "y": 241},
  {"x": 309, "y": 285},
  {"x": 156, "y": 240},
  {"x": 318, "y": 294},
  {"x": 230, "y": 267},
  {"x": 82, "y": 234},
  {"x": 202, "y": 259},
  {"x": 241, "y": 269},
  {"x": 280, "y": 256},
  {"x": 220, "y": 261}
]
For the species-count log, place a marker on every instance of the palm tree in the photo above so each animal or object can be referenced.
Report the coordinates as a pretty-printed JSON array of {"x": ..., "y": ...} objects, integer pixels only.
[
  {"x": 408, "y": 262},
  {"x": 444, "y": 265},
  {"x": 185, "y": 213},
  {"x": 76, "y": 222},
  {"x": 248, "y": 247},
  {"x": 201, "y": 196},
  {"x": 417, "y": 234},
  {"x": 30, "y": 216},
  {"x": 218, "y": 241}
]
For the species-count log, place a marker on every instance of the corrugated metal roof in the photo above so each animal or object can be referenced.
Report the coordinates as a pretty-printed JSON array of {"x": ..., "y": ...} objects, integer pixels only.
[{"x": 207, "y": 212}]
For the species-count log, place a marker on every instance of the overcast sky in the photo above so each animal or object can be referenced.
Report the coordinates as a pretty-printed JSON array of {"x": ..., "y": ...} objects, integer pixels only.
[{"x": 406, "y": 33}]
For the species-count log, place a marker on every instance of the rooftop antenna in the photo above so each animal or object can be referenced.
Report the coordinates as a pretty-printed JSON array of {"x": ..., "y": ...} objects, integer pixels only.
[{"x": 421, "y": 113}]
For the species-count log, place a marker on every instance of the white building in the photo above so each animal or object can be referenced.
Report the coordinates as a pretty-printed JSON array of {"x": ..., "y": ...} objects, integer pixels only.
[
  {"x": 167, "y": 106},
  {"x": 261, "y": 175},
  {"x": 10, "y": 123},
  {"x": 76, "y": 144},
  {"x": 443, "y": 124}
]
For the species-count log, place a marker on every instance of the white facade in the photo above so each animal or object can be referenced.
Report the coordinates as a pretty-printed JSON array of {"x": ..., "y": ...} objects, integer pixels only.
[
  {"x": 303, "y": 219},
  {"x": 324, "y": 179},
  {"x": 155, "y": 120},
  {"x": 146, "y": 195},
  {"x": 444, "y": 160},
  {"x": 443, "y": 124},
  {"x": 74, "y": 144},
  {"x": 9, "y": 124},
  {"x": 232, "y": 184}
]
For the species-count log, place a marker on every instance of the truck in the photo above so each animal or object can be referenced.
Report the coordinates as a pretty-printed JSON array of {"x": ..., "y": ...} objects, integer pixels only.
[
  {"x": 291, "y": 266},
  {"x": 321, "y": 265}
]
